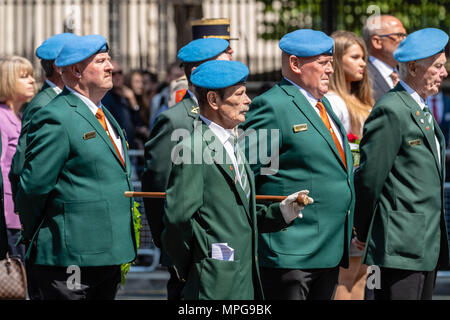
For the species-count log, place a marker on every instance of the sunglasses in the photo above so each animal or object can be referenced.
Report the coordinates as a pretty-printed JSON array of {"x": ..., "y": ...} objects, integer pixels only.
[{"x": 393, "y": 36}]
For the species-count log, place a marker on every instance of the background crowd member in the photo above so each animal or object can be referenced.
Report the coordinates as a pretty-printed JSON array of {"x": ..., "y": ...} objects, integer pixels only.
[
  {"x": 382, "y": 34},
  {"x": 120, "y": 101},
  {"x": 150, "y": 89},
  {"x": 158, "y": 150},
  {"x": 211, "y": 235},
  {"x": 70, "y": 196},
  {"x": 53, "y": 85},
  {"x": 17, "y": 86},
  {"x": 303, "y": 263},
  {"x": 351, "y": 98},
  {"x": 3, "y": 235},
  {"x": 399, "y": 212}
]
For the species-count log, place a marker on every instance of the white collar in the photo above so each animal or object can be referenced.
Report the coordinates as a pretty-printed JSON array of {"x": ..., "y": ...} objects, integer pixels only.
[
  {"x": 221, "y": 133},
  {"x": 192, "y": 96},
  {"x": 417, "y": 98},
  {"x": 306, "y": 94},
  {"x": 91, "y": 105},
  {"x": 53, "y": 86},
  {"x": 385, "y": 69}
]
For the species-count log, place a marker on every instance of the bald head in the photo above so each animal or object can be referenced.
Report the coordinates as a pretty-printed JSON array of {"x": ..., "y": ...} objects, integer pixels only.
[{"x": 382, "y": 35}]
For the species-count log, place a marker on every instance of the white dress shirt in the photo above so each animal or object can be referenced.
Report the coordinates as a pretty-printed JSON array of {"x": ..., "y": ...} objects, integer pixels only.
[
  {"x": 385, "y": 70},
  {"x": 417, "y": 98},
  {"x": 224, "y": 136},
  {"x": 313, "y": 101},
  {"x": 53, "y": 86},
  {"x": 91, "y": 105}
]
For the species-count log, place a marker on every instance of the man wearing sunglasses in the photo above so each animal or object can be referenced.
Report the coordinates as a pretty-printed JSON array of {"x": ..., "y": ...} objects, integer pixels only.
[{"x": 382, "y": 35}]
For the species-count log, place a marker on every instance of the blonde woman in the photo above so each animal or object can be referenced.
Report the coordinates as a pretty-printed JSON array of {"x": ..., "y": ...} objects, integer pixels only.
[
  {"x": 351, "y": 99},
  {"x": 17, "y": 86}
]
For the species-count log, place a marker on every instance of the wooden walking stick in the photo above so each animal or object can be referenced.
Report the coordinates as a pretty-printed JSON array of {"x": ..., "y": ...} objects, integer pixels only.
[{"x": 302, "y": 199}]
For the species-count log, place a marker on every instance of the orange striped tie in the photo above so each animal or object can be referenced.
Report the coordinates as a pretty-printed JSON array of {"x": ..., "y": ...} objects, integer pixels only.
[
  {"x": 101, "y": 118},
  {"x": 324, "y": 116}
]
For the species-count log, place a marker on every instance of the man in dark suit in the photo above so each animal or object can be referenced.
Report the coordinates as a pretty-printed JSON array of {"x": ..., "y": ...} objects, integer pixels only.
[
  {"x": 399, "y": 212},
  {"x": 211, "y": 217},
  {"x": 53, "y": 85},
  {"x": 303, "y": 262},
  {"x": 76, "y": 221},
  {"x": 382, "y": 34},
  {"x": 158, "y": 148}
]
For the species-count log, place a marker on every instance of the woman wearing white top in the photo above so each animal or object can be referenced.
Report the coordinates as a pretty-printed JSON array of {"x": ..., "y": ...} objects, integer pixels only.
[{"x": 351, "y": 99}]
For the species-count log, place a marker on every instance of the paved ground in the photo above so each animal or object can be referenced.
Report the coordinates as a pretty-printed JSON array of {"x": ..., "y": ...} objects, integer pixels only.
[{"x": 152, "y": 286}]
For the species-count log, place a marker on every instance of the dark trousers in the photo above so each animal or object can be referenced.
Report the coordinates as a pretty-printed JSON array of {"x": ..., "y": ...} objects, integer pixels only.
[
  {"x": 174, "y": 286},
  {"x": 19, "y": 250},
  {"x": 397, "y": 284},
  {"x": 62, "y": 283},
  {"x": 295, "y": 284}
]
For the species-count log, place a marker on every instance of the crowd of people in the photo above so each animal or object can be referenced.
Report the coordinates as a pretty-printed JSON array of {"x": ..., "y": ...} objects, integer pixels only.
[{"x": 65, "y": 166}]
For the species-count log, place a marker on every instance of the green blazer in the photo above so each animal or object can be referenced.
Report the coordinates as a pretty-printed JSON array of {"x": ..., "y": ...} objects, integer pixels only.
[
  {"x": 308, "y": 159},
  {"x": 3, "y": 234},
  {"x": 41, "y": 99},
  {"x": 157, "y": 155},
  {"x": 399, "y": 210},
  {"x": 206, "y": 205},
  {"x": 71, "y": 189}
]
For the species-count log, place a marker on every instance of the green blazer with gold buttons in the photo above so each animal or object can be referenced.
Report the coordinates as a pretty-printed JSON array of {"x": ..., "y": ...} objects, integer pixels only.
[
  {"x": 399, "y": 209},
  {"x": 307, "y": 159},
  {"x": 71, "y": 190},
  {"x": 206, "y": 205}
]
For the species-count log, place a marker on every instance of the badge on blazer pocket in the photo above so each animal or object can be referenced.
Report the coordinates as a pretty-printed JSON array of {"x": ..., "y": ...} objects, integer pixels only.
[
  {"x": 414, "y": 142},
  {"x": 300, "y": 127},
  {"x": 89, "y": 135}
]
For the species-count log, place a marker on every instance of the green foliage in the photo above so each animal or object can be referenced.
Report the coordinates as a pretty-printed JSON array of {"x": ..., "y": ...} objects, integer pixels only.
[
  {"x": 283, "y": 16},
  {"x": 137, "y": 230}
]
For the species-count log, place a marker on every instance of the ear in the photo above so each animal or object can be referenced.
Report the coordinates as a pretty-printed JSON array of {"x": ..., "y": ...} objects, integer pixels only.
[
  {"x": 377, "y": 42},
  {"x": 412, "y": 68},
  {"x": 295, "y": 64},
  {"x": 213, "y": 100}
]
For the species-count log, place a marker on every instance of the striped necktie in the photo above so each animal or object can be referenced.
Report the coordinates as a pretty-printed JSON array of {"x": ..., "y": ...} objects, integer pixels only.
[
  {"x": 101, "y": 118},
  {"x": 240, "y": 158}
]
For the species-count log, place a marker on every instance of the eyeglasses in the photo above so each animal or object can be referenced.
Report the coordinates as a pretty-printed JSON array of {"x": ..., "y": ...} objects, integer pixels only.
[
  {"x": 117, "y": 72},
  {"x": 394, "y": 36}
]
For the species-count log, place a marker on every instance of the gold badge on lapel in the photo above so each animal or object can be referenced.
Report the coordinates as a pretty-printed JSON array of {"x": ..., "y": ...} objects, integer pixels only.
[
  {"x": 414, "y": 142},
  {"x": 300, "y": 127},
  {"x": 194, "y": 109},
  {"x": 89, "y": 135}
]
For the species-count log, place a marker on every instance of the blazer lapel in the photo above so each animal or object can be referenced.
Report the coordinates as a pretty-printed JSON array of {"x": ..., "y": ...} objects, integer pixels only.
[
  {"x": 84, "y": 111},
  {"x": 418, "y": 117},
  {"x": 305, "y": 107},
  {"x": 119, "y": 131},
  {"x": 225, "y": 166}
]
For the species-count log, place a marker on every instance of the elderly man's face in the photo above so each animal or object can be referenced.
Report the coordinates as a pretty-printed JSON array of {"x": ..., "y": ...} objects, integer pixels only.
[
  {"x": 315, "y": 74},
  {"x": 430, "y": 72},
  {"x": 233, "y": 106},
  {"x": 97, "y": 72}
]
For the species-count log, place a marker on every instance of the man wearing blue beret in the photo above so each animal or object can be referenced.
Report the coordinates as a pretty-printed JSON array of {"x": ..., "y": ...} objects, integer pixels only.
[
  {"x": 399, "y": 213},
  {"x": 303, "y": 262},
  {"x": 53, "y": 85},
  {"x": 179, "y": 118},
  {"x": 76, "y": 221},
  {"x": 211, "y": 218}
]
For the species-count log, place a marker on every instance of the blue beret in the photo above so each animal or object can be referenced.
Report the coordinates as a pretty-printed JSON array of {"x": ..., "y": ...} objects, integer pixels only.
[
  {"x": 219, "y": 74},
  {"x": 50, "y": 48},
  {"x": 81, "y": 49},
  {"x": 421, "y": 44},
  {"x": 202, "y": 49},
  {"x": 306, "y": 43}
]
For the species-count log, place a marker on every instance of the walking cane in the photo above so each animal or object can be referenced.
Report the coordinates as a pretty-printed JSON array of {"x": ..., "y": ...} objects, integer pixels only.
[{"x": 302, "y": 199}]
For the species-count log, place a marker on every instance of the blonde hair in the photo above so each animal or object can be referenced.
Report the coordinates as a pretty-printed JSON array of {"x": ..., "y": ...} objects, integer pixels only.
[
  {"x": 359, "y": 102},
  {"x": 11, "y": 68}
]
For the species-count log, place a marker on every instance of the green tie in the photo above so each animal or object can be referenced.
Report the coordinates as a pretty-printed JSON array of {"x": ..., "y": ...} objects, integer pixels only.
[
  {"x": 429, "y": 117},
  {"x": 240, "y": 158}
]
